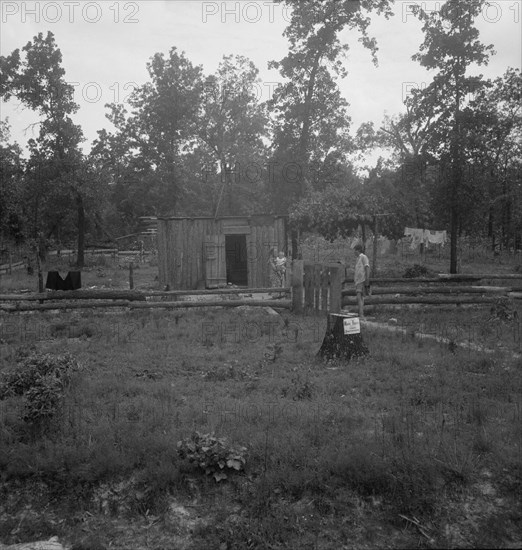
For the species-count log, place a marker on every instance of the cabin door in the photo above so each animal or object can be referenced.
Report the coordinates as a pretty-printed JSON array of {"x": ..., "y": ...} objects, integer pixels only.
[
  {"x": 236, "y": 253},
  {"x": 215, "y": 261}
]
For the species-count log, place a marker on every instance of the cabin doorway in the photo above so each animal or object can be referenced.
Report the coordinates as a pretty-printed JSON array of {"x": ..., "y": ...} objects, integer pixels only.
[{"x": 236, "y": 259}]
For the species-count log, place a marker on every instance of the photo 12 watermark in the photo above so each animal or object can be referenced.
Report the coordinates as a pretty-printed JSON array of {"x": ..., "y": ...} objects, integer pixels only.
[
  {"x": 409, "y": 89},
  {"x": 69, "y": 12},
  {"x": 251, "y": 172},
  {"x": 492, "y": 11},
  {"x": 259, "y": 91},
  {"x": 269, "y": 332},
  {"x": 244, "y": 12},
  {"x": 94, "y": 92}
]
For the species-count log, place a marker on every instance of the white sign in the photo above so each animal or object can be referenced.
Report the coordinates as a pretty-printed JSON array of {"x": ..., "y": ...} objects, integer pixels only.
[{"x": 352, "y": 325}]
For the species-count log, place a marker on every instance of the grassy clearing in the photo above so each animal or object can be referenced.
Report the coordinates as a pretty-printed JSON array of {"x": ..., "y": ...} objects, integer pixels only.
[
  {"x": 418, "y": 445},
  {"x": 496, "y": 327}
]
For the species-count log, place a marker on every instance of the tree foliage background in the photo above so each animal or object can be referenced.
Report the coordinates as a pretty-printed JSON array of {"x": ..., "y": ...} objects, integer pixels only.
[{"x": 196, "y": 144}]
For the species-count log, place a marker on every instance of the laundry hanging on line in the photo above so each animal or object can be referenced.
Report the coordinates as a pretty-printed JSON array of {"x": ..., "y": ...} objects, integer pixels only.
[
  {"x": 425, "y": 236},
  {"x": 417, "y": 236},
  {"x": 72, "y": 281},
  {"x": 437, "y": 237}
]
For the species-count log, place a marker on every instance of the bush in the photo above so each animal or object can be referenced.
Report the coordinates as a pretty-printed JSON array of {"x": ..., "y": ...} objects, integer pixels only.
[
  {"x": 41, "y": 379},
  {"x": 213, "y": 455}
]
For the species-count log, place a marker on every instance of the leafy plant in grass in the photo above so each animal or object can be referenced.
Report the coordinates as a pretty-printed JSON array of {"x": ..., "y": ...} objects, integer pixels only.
[
  {"x": 215, "y": 456},
  {"x": 299, "y": 390},
  {"x": 230, "y": 370},
  {"x": 503, "y": 310},
  {"x": 41, "y": 379}
]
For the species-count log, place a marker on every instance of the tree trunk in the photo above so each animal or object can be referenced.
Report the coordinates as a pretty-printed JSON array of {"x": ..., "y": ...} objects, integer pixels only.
[
  {"x": 305, "y": 130},
  {"x": 80, "y": 260},
  {"x": 456, "y": 173},
  {"x": 375, "y": 236},
  {"x": 337, "y": 344},
  {"x": 295, "y": 245},
  {"x": 454, "y": 238}
]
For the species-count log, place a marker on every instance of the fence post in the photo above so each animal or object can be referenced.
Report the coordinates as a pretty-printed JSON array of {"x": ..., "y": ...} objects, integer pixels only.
[
  {"x": 335, "y": 289},
  {"x": 131, "y": 276},
  {"x": 40, "y": 275},
  {"x": 297, "y": 286},
  {"x": 308, "y": 280}
]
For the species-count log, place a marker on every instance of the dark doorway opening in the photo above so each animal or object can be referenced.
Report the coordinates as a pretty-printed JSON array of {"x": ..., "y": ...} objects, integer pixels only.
[{"x": 236, "y": 259}]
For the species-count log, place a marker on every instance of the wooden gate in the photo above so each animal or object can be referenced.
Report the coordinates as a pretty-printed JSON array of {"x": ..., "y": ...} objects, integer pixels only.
[
  {"x": 215, "y": 261},
  {"x": 316, "y": 288}
]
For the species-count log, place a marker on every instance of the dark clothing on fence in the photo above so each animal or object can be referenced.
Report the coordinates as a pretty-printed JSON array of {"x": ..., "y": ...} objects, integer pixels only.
[{"x": 73, "y": 281}]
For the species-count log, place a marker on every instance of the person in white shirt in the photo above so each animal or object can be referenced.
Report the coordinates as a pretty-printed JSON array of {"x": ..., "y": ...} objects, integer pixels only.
[
  {"x": 361, "y": 277},
  {"x": 280, "y": 268}
]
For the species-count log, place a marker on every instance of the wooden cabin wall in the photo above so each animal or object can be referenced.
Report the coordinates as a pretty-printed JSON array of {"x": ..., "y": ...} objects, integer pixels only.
[
  {"x": 162, "y": 253},
  {"x": 181, "y": 260},
  {"x": 264, "y": 237}
]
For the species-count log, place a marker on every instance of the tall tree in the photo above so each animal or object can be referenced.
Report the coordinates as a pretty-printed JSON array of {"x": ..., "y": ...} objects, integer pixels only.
[
  {"x": 11, "y": 185},
  {"x": 309, "y": 104},
  {"x": 158, "y": 132},
  {"x": 450, "y": 46},
  {"x": 494, "y": 141},
  {"x": 231, "y": 128},
  {"x": 37, "y": 79}
]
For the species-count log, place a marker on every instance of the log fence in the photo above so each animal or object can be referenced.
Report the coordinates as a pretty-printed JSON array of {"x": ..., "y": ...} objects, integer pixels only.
[
  {"x": 136, "y": 299},
  {"x": 314, "y": 289}
]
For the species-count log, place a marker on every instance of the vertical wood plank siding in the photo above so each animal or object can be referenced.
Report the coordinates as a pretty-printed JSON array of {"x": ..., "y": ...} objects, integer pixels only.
[
  {"x": 252, "y": 257},
  {"x": 162, "y": 253},
  {"x": 181, "y": 247}
]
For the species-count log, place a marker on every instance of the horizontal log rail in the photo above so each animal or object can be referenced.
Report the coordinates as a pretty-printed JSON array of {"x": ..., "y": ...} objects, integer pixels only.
[
  {"x": 75, "y": 295},
  {"x": 278, "y": 304},
  {"x": 282, "y": 304},
  {"x": 5, "y": 268},
  {"x": 436, "y": 300},
  {"x": 134, "y": 295},
  {"x": 469, "y": 277},
  {"x": 209, "y": 292},
  {"x": 445, "y": 278},
  {"x": 457, "y": 290}
]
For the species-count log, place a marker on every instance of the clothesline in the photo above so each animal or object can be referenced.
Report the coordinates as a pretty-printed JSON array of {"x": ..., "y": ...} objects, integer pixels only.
[{"x": 425, "y": 236}]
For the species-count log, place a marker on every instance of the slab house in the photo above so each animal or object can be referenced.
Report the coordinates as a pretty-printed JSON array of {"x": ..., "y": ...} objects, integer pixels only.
[{"x": 215, "y": 252}]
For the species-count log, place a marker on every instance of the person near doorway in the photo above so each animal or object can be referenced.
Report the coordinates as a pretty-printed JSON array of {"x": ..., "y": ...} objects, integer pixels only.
[
  {"x": 361, "y": 277},
  {"x": 272, "y": 271},
  {"x": 280, "y": 268}
]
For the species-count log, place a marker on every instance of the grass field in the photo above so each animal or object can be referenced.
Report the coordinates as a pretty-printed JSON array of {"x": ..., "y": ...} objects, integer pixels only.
[{"x": 418, "y": 445}]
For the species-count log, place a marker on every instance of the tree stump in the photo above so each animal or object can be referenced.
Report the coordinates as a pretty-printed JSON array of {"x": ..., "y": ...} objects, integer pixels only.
[{"x": 343, "y": 339}]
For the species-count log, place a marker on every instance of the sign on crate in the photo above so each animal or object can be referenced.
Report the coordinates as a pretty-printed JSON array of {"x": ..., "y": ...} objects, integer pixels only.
[{"x": 351, "y": 325}]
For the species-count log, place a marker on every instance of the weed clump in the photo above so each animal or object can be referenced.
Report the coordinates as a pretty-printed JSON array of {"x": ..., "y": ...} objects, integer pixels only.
[
  {"x": 299, "y": 389},
  {"x": 215, "y": 456},
  {"x": 41, "y": 379}
]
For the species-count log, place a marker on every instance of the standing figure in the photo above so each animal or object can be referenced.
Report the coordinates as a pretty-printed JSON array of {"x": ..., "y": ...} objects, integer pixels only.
[
  {"x": 272, "y": 273},
  {"x": 280, "y": 268},
  {"x": 361, "y": 277}
]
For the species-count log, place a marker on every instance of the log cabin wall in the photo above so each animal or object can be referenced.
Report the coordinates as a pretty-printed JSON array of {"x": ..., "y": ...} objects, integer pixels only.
[{"x": 185, "y": 244}]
